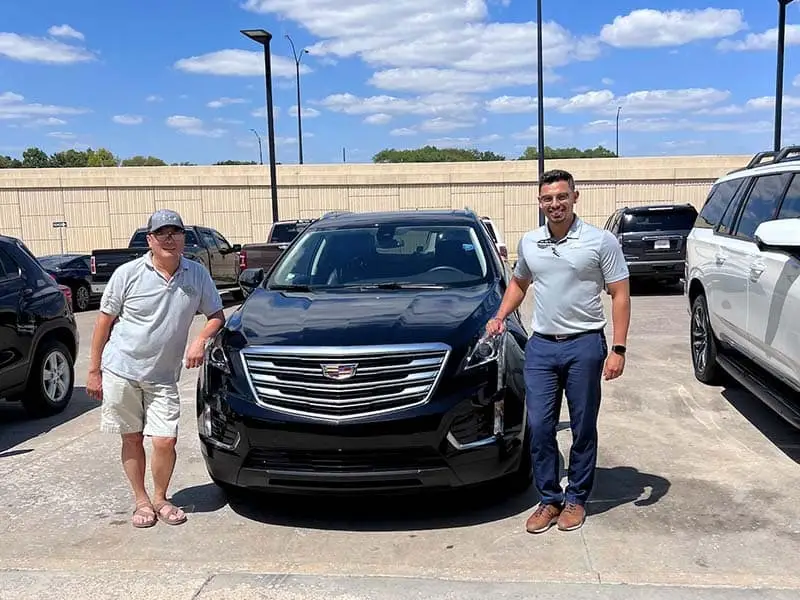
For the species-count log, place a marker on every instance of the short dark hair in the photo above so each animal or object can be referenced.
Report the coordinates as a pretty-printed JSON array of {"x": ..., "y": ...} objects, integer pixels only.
[{"x": 555, "y": 175}]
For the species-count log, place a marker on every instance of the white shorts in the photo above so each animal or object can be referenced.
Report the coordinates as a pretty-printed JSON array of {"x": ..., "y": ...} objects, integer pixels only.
[{"x": 133, "y": 407}]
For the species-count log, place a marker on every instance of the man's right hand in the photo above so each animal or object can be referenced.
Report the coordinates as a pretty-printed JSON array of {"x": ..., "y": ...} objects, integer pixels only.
[
  {"x": 94, "y": 385},
  {"x": 495, "y": 326}
]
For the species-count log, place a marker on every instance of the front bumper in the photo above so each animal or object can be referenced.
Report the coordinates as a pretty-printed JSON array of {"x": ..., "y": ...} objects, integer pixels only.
[{"x": 469, "y": 432}]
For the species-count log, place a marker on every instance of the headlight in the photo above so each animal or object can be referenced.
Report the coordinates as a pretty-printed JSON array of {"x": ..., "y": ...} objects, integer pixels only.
[
  {"x": 486, "y": 349},
  {"x": 215, "y": 355}
]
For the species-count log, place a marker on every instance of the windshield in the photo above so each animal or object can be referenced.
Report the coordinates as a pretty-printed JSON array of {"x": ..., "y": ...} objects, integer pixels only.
[
  {"x": 658, "y": 220},
  {"x": 55, "y": 261},
  {"x": 284, "y": 233},
  {"x": 139, "y": 239},
  {"x": 412, "y": 255}
]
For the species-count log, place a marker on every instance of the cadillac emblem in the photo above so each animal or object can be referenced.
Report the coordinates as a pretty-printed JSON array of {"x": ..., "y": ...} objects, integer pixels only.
[{"x": 339, "y": 372}]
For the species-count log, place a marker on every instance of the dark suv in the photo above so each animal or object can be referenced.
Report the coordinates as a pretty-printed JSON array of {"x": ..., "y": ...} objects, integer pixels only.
[
  {"x": 38, "y": 334},
  {"x": 359, "y": 362},
  {"x": 653, "y": 239}
]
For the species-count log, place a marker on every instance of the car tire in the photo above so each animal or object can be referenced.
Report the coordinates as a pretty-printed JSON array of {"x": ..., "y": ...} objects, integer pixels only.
[
  {"x": 51, "y": 380},
  {"x": 81, "y": 298},
  {"x": 703, "y": 343}
]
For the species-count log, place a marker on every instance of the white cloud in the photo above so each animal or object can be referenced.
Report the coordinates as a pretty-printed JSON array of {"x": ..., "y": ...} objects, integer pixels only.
[
  {"x": 768, "y": 103},
  {"x": 378, "y": 119},
  {"x": 451, "y": 105},
  {"x": 220, "y": 102},
  {"x": 242, "y": 63},
  {"x": 640, "y": 102},
  {"x": 46, "y": 122},
  {"x": 128, "y": 119},
  {"x": 262, "y": 112},
  {"x": 65, "y": 31},
  {"x": 33, "y": 49},
  {"x": 154, "y": 98},
  {"x": 443, "y": 125},
  {"x": 402, "y": 131},
  {"x": 662, "y": 124},
  {"x": 648, "y": 28},
  {"x": 768, "y": 40},
  {"x": 62, "y": 135},
  {"x": 607, "y": 81},
  {"x": 13, "y": 106},
  {"x": 532, "y": 132},
  {"x": 308, "y": 112},
  {"x": 422, "y": 80},
  {"x": 193, "y": 126}
]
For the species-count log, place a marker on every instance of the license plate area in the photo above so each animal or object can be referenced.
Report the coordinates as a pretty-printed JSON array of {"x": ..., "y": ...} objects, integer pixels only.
[{"x": 661, "y": 245}]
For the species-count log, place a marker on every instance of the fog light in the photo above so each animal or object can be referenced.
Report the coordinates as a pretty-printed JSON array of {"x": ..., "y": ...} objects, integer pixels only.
[
  {"x": 204, "y": 422},
  {"x": 499, "y": 413}
]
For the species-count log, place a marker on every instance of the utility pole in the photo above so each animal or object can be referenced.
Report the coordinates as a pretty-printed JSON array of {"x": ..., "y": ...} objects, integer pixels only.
[
  {"x": 782, "y": 4},
  {"x": 619, "y": 108},
  {"x": 297, "y": 59},
  {"x": 540, "y": 93},
  {"x": 260, "y": 154}
]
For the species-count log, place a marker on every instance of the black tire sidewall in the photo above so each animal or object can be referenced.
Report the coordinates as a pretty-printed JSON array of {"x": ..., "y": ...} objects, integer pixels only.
[
  {"x": 75, "y": 304},
  {"x": 36, "y": 399},
  {"x": 708, "y": 373}
]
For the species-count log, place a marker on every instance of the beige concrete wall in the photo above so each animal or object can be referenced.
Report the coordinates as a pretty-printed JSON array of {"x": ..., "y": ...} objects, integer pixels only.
[{"x": 103, "y": 206}]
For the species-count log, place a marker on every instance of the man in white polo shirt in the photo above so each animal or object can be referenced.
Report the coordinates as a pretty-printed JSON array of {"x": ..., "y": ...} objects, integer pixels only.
[
  {"x": 137, "y": 348},
  {"x": 570, "y": 263}
]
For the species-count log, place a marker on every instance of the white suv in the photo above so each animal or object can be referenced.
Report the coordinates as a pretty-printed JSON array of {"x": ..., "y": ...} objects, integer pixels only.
[{"x": 743, "y": 281}]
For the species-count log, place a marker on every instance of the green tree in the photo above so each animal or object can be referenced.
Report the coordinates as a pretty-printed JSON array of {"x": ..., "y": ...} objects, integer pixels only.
[
  {"x": 35, "y": 158},
  {"x": 101, "y": 157},
  {"x": 69, "y": 158},
  {"x": 236, "y": 162},
  {"x": 143, "y": 161},
  {"x": 532, "y": 153},
  {"x": 6, "y": 162},
  {"x": 434, "y": 154}
]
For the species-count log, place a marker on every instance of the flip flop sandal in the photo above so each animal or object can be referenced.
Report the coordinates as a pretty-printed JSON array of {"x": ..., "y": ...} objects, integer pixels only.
[
  {"x": 166, "y": 518},
  {"x": 151, "y": 516}
]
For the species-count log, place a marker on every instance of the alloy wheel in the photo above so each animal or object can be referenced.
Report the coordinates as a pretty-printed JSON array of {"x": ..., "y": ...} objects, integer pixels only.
[
  {"x": 82, "y": 298},
  {"x": 55, "y": 376},
  {"x": 699, "y": 337}
]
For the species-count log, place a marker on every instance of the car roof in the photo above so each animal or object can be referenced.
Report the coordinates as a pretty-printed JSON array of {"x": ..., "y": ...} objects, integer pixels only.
[
  {"x": 661, "y": 207},
  {"x": 356, "y": 219}
]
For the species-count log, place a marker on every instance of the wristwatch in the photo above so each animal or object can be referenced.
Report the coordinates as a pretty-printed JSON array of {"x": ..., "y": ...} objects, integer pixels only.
[{"x": 618, "y": 349}]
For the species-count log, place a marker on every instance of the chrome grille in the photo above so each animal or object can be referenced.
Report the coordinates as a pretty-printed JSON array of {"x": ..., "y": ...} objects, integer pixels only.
[{"x": 344, "y": 382}]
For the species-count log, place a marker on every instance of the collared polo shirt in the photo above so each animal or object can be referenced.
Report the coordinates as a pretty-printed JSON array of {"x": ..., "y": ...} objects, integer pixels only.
[
  {"x": 569, "y": 275},
  {"x": 154, "y": 314}
]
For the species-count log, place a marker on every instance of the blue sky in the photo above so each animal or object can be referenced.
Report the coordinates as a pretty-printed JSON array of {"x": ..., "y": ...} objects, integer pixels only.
[{"x": 181, "y": 83}]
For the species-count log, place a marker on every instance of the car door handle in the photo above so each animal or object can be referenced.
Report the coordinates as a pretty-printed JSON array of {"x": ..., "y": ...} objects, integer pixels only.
[
  {"x": 756, "y": 269},
  {"x": 720, "y": 257}
]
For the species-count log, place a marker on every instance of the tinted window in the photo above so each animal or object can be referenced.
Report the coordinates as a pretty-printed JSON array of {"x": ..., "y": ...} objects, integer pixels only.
[
  {"x": 8, "y": 268},
  {"x": 191, "y": 238},
  {"x": 762, "y": 203},
  {"x": 284, "y": 233},
  {"x": 671, "y": 219},
  {"x": 791, "y": 203},
  {"x": 208, "y": 239},
  {"x": 718, "y": 200},
  {"x": 140, "y": 239},
  {"x": 221, "y": 242},
  {"x": 436, "y": 254}
]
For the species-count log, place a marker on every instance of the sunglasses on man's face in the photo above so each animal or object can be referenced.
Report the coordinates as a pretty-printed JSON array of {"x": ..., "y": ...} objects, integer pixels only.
[{"x": 163, "y": 236}]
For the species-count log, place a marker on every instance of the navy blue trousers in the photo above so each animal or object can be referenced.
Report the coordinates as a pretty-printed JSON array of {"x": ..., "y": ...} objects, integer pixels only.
[{"x": 553, "y": 368}]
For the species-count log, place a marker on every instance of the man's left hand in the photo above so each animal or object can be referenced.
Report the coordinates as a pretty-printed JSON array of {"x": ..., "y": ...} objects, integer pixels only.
[
  {"x": 615, "y": 364},
  {"x": 194, "y": 357}
]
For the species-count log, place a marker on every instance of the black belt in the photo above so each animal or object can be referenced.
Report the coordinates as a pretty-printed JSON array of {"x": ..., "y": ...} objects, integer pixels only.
[{"x": 566, "y": 336}]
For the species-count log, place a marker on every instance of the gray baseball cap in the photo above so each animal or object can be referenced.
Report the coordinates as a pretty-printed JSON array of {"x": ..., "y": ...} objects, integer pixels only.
[{"x": 164, "y": 218}]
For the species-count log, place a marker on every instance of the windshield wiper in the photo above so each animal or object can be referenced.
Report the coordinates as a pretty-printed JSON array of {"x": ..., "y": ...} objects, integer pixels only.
[
  {"x": 398, "y": 285},
  {"x": 291, "y": 288}
]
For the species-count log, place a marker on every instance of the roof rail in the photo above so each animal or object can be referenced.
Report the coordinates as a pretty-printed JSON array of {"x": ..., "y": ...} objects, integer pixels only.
[
  {"x": 785, "y": 153},
  {"x": 335, "y": 213},
  {"x": 756, "y": 160}
]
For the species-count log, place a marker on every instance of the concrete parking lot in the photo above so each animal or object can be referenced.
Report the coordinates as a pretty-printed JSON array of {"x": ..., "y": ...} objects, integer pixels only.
[{"x": 697, "y": 490}]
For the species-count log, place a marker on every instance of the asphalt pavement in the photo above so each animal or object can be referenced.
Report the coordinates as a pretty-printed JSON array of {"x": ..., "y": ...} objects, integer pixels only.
[{"x": 696, "y": 496}]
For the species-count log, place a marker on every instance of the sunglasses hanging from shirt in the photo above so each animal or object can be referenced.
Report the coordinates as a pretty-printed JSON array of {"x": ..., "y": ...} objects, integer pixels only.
[{"x": 551, "y": 243}]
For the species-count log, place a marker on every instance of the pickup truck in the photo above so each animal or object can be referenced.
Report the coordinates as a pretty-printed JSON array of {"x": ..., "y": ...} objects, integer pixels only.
[
  {"x": 203, "y": 244},
  {"x": 262, "y": 255}
]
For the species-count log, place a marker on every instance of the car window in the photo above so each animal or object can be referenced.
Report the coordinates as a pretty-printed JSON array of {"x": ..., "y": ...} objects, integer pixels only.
[
  {"x": 8, "y": 267},
  {"x": 716, "y": 203},
  {"x": 762, "y": 204},
  {"x": 221, "y": 241},
  {"x": 725, "y": 225},
  {"x": 790, "y": 209},
  {"x": 284, "y": 233},
  {"x": 446, "y": 255},
  {"x": 670, "y": 219},
  {"x": 191, "y": 238},
  {"x": 139, "y": 239},
  {"x": 208, "y": 239}
]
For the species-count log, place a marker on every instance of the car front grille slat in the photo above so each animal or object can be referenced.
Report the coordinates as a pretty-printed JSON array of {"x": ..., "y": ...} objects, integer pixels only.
[{"x": 359, "y": 381}]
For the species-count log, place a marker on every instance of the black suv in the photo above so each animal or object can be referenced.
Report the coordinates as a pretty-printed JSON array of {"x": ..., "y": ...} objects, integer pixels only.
[
  {"x": 359, "y": 363},
  {"x": 653, "y": 239},
  {"x": 38, "y": 334}
]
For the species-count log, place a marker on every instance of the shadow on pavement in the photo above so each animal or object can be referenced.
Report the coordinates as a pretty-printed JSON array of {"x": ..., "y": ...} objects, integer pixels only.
[
  {"x": 785, "y": 437},
  {"x": 16, "y": 427},
  {"x": 615, "y": 486},
  {"x": 647, "y": 288}
]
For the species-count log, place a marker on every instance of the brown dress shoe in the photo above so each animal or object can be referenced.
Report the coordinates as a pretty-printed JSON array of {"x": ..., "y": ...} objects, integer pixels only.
[
  {"x": 572, "y": 517},
  {"x": 543, "y": 518}
]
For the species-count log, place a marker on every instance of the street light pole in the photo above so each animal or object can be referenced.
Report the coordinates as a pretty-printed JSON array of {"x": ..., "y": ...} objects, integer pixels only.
[
  {"x": 782, "y": 4},
  {"x": 260, "y": 155},
  {"x": 540, "y": 96},
  {"x": 297, "y": 59},
  {"x": 264, "y": 38},
  {"x": 619, "y": 108}
]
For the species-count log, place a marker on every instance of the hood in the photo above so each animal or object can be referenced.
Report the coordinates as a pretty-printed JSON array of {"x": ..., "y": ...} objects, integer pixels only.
[{"x": 336, "y": 318}]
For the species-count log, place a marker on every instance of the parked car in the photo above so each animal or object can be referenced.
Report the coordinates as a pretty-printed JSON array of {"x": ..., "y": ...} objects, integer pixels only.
[
  {"x": 653, "y": 239},
  {"x": 497, "y": 237},
  {"x": 743, "y": 282},
  {"x": 263, "y": 255},
  {"x": 360, "y": 363},
  {"x": 38, "y": 335},
  {"x": 203, "y": 244},
  {"x": 75, "y": 272}
]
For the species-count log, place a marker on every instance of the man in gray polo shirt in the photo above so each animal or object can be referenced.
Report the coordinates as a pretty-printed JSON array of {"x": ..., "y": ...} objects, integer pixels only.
[
  {"x": 570, "y": 263},
  {"x": 137, "y": 348}
]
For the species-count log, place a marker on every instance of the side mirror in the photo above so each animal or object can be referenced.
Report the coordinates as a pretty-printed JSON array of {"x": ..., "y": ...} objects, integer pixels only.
[
  {"x": 250, "y": 279},
  {"x": 780, "y": 234},
  {"x": 236, "y": 248}
]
